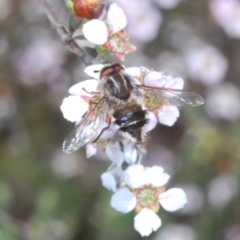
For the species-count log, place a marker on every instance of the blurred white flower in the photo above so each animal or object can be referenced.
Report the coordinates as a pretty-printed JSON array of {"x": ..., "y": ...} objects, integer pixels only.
[
  {"x": 195, "y": 198},
  {"x": 227, "y": 15},
  {"x": 176, "y": 232},
  {"x": 144, "y": 192},
  {"x": 222, "y": 190},
  {"x": 40, "y": 61},
  {"x": 206, "y": 64},
  {"x": 223, "y": 102},
  {"x": 144, "y": 21}
]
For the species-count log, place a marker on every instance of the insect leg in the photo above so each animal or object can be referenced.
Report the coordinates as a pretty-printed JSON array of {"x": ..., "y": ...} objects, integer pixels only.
[
  {"x": 92, "y": 93},
  {"x": 107, "y": 127}
]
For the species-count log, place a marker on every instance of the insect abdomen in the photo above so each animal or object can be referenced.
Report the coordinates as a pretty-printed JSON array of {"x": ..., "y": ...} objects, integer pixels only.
[{"x": 131, "y": 121}]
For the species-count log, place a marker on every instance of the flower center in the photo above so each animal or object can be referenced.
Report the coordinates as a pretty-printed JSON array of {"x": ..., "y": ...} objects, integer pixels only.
[
  {"x": 152, "y": 103},
  {"x": 147, "y": 196}
]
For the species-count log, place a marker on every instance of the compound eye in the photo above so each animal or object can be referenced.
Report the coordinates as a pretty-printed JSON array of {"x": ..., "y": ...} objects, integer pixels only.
[
  {"x": 106, "y": 71},
  {"x": 109, "y": 70}
]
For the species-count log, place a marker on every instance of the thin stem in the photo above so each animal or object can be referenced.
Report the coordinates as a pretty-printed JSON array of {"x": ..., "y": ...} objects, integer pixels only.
[{"x": 63, "y": 33}]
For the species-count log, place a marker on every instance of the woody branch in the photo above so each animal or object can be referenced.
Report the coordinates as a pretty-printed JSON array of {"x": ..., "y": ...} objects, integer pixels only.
[{"x": 64, "y": 34}]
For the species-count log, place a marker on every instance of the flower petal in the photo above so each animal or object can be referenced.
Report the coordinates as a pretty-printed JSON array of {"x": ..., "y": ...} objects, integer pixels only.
[
  {"x": 95, "y": 31},
  {"x": 123, "y": 200},
  {"x": 94, "y": 70},
  {"x": 152, "y": 122},
  {"x": 115, "y": 154},
  {"x": 134, "y": 176},
  {"x": 91, "y": 149},
  {"x": 108, "y": 181},
  {"x": 154, "y": 79},
  {"x": 73, "y": 108},
  {"x": 146, "y": 221},
  {"x": 84, "y": 88},
  {"x": 168, "y": 115},
  {"x": 130, "y": 153},
  {"x": 173, "y": 199},
  {"x": 155, "y": 176},
  {"x": 116, "y": 17},
  {"x": 170, "y": 82},
  {"x": 134, "y": 71}
]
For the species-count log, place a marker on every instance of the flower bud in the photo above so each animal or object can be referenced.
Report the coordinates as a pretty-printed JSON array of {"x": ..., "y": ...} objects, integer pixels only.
[{"x": 88, "y": 8}]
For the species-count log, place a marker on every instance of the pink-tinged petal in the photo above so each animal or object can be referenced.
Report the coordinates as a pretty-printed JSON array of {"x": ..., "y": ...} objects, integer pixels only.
[
  {"x": 94, "y": 70},
  {"x": 114, "y": 153},
  {"x": 116, "y": 17},
  {"x": 91, "y": 149},
  {"x": 84, "y": 88},
  {"x": 95, "y": 31},
  {"x": 134, "y": 176},
  {"x": 146, "y": 221},
  {"x": 154, "y": 79},
  {"x": 152, "y": 122},
  {"x": 108, "y": 181},
  {"x": 155, "y": 176},
  {"x": 173, "y": 199},
  {"x": 168, "y": 115},
  {"x": 123, "y": 200},
  {"x": 73, "y": 108}
]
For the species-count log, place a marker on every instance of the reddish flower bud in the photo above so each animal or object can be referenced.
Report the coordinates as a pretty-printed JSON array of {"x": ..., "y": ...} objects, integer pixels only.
[{"x": 88, "y": 8}]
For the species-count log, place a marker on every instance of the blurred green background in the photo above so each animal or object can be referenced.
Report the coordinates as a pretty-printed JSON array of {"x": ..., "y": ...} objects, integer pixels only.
[{"x": 47, "y": 195}]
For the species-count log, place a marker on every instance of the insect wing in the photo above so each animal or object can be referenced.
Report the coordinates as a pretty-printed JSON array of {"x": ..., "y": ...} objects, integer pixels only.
[
  {"x": 176, "y": 97},
  {"x": 87, "y": 129}
]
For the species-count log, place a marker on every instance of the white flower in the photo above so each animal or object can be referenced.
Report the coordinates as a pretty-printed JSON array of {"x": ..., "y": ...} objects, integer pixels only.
[
  {"x": 144, "y": 192},
  {"x": 97, "y": 32},
  {"x": 167, "y": 115},
  {"x": 142, "y": 18}
]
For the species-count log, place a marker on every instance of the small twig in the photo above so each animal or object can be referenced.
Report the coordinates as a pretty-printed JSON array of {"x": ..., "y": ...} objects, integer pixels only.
[{"x": 63, "y": 33}]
